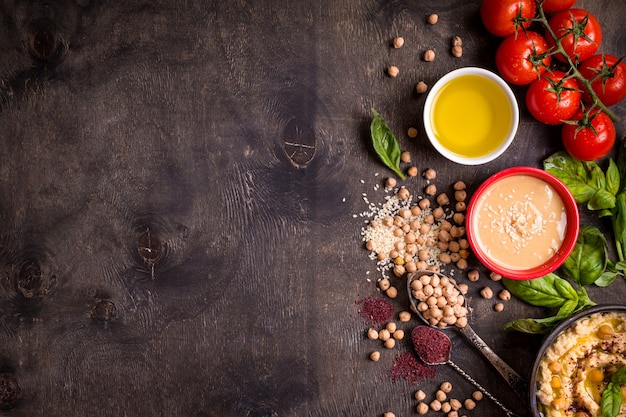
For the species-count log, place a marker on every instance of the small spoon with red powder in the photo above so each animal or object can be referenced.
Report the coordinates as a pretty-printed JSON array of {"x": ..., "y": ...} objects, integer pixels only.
[
  {"x": 434, "y": 348},
  {"x": 516, "y": 382}
]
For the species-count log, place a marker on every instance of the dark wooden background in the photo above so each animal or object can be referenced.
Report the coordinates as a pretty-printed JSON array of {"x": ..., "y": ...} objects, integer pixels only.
[{"x": 234, "y": 135}]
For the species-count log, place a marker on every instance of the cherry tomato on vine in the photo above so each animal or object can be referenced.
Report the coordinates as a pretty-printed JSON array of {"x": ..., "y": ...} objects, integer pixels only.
[
  {"x": 590, "y": 138},
  {"x": 505, "y": 17},
  {"x": 519, "y": 57},
  {"x": 580, "y": 31},
  {"x": 552, "y": 98},
  {"x": 553, "y": 6},
  {"x": 610, "y": 84}
]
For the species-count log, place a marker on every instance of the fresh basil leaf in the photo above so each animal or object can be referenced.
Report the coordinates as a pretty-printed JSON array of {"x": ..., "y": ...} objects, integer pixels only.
[
  {"x": 611, "y": 400},
  {"x": 589, "y": 258},
  {"x": 542, "y": 325},
  {"x": 549, "y": 291},
  {"x": 612, "y": 177},
  {"x": 385, "y": 144},
  {"x": 606, "y": 278},
  {"x": 601, "y": 200},
  {"x": 621, "y": 165},
  {"x": 596, "y": 177},
  {"x": 572, "y": 173},
  {"x": 619, "y": 225}
]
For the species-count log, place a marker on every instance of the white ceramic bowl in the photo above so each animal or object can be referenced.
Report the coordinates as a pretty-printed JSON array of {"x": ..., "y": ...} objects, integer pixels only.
[{"x": 485, "y": 120}]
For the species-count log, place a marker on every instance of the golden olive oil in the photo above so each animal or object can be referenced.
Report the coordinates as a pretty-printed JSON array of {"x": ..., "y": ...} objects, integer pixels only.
[{"x": 471, "y": 116}]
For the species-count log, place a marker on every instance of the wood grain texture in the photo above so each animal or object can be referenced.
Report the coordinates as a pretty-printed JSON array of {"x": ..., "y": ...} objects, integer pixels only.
[{"x": 237, "y": 134}]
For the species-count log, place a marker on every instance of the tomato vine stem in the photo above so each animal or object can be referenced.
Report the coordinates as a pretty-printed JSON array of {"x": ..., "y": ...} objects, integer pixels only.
[{"x": 574, "y": 70}]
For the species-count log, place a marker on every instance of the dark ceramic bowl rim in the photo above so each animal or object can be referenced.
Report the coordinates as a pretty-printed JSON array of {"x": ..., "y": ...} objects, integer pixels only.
[
  {"x": 600, "y": 308},
  {"x": 573, "y": 224}
]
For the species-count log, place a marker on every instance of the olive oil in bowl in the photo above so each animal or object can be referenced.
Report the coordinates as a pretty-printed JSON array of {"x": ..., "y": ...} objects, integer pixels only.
[{"x": 471, "y": 116}]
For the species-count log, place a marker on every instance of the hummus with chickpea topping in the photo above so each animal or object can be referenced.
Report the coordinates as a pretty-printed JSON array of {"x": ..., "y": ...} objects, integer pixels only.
[{"x": 577, "y": 366}]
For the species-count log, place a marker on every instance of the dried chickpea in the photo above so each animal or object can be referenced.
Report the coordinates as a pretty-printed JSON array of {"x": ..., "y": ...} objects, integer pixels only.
[
  {"x": 438, "y": 214},
  {"x": 442, "y": 199},
  {"x": 391, "y": 292},
  {"x": 464, "y": 288},
  {"x": 504, "y": 295},
  {"x": 459, "y": 185},
  {"x": 398, "y": 334},
  {"x": 420, "y": 395},
  {"x": 460, "y": 195},
  {"x": 403, "y": 194},
  {"x": 460, "y": 206},
  {"x": 487, "y": 293},
  {"x": 384, "y": 335},
  {"x": 404, "y": 316},
  {"x": 393, "y": 71},
  {"x": 398, "y": 271},
  {"x": 431, "y": 189},
  {"x": 390, "y": 182},
  {"x": 456, "y": 404},
  {"x": 384, "y": 284},
  {"x": 430, "y": 174},
  {"x": 458, "y": 218},
  {"x": 410, "y": 266},
  {"x": 372, "y": 334},
  {"x": 440, "y": 395},
  {"x": 405, "y": 157},
  {"x": 495, "y": 277},
  {"x": 422, "y": 408},
  {"x": 421, "y": 88},
  {"x": 473, "y": 275},
  {"x": 457, "y": 41},
  {"x": 429, "y": 55},
  {"x": 389, "y": 414},
  {"x": 424, "y": 203},
  {"x": 477, "y": 395},
  {"x": 457, "y": 51},
  {"x": 498, "y": 307},
  {"x": 412, "y": 171},
  {"x": 390, "y": 343},
  {"x": 375, "y": 356},
  {"x": 446, "y": 387},
  {"x": 411, "y": 132},
  {"x": 453, "y": 413},
  {"x": 391, "y": 327},
  {"x": 432, "y": 19},
  {"x": 435, "y": 405},
  {"x": 398, "y": 42},
  {"x": 462, "y": 263},
  {"x": 469, "y": 404},
  {"x": 445, "y": 407}
]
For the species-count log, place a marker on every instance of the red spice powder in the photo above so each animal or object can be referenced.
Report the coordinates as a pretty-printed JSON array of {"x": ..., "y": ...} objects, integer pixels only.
[
  {"x": 406, "y": 366},
  {"x": 375, "y": 310},
  {"x": 431, "y": 345}
]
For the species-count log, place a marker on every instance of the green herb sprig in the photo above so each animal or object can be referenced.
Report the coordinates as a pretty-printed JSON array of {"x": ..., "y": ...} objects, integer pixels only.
[
  {"x": 612, "y": 395},
  {"x": 385, "y": 144}
]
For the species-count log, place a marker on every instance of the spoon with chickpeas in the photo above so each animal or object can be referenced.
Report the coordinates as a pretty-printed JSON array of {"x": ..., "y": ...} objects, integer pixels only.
[
  {"x": 434, "y": 348},
  {"x": 439, "y": 302}
]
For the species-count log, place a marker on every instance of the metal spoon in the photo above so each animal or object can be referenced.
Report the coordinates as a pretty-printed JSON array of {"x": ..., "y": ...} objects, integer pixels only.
[
  {"x": 517, "y": 383},
  {"x": 426, "y": 353}
]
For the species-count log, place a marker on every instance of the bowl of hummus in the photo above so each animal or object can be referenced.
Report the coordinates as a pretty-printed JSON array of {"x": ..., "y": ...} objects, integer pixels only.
[
  {"x": 576, "y": 361},
  {"x": 522, "y": 223}
]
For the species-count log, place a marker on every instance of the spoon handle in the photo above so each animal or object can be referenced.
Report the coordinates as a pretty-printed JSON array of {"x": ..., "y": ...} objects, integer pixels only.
[
  {"x": 516, "y": 382},
  {"x": 481, "y": 388}
]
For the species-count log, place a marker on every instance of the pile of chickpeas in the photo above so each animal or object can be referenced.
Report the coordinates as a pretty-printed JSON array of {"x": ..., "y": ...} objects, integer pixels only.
[
  {"x": 424, "y": 237},
  {"x": 444, "y": 403},
  {"x": 439, "y": 301}
]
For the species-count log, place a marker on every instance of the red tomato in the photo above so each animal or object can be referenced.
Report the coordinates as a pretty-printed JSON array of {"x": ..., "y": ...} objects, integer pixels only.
[
  {"x": 580, "y": 32},
  {"x": 552, "y": 99},
  {"x": 518, "y": 57},
  {"x": 610, "y": 85},
  {"x": 591, "y": 138},
  {"x": 503, "y": 17},
  {"x": 553, "y": 6}
]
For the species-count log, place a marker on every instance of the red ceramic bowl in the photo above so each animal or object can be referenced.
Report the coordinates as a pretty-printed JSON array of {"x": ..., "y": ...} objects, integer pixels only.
[{"x": 508, "y": 225}]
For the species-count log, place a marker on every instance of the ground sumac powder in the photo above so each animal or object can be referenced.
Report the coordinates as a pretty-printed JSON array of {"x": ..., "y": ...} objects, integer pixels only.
[
  {"x": 406, "y": 366},
  {"x": 375, "y": 310},
  {"x": 431, "y": 345}
]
